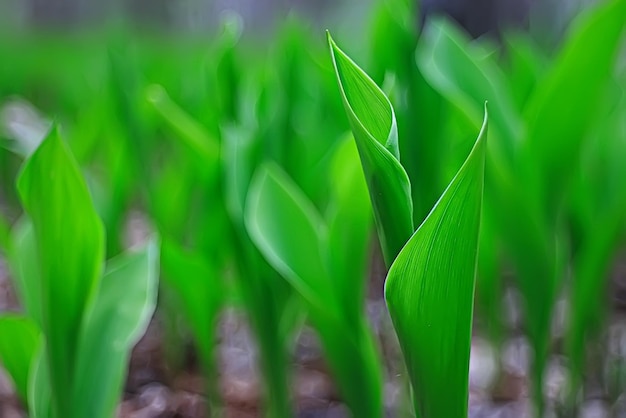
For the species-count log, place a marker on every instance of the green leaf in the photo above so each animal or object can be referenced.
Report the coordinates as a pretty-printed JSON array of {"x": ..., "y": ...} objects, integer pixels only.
[
  {"x": 349, "y": 219},
  {"x": 353, "y": 357},
  {"x": 118, "y": 318},
  {"x": 374, "y": 127},
  {"x": 70, "y": 244},
  {"x": 201, "y": 294},
  {"x": 4, "y": 234},
  {"x": 524, "y": 66},
  {"x": 449, "y": 63},
  {"x": 430, "y": 293},
  {"x": 599, "y": 215},
  {"x": 19, "y": 339},
  {"x": 560, "y": 111},
  {"x": 194, "y": 135},
  {"x": 26, "y": 273},
  {"x": 39, "y": 388},
  {"x": 289, "y": 232}
]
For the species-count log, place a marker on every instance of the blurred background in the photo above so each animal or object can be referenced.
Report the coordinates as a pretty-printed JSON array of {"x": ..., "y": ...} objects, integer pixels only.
[
  {"x": 478, "y": 17},
  {"x": 136, "y": 85}
]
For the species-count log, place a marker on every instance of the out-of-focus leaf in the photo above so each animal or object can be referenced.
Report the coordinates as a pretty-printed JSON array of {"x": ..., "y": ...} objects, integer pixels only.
[
  {"x": 348, "y": 218},
  {"x": 19, "y": 340},
  {"x": 289, "y": 232},
  {"x": 444, "y": 55},
  {"x": 188, "y": 130},
  {"x": 599, "y": 212},
  {"x": 23, "y": 127},
  {"x": 114, "y": 324},
  {"x": 354, "y": 360},
  {"x": 26, "y": 273},
  {"x": 4, "y": 234},
  {"x": 523, "y": 67},
  {"x": 394, "y": 24},
  {"x": 373, "y": 124},
  {"x": 39, "y": 389},
  {"x": 560, "y": 110},
  {"x": 273, "y": 307},
  {"x": 201, "y": 294},
  {"x": 70, "y": 245},
  {"x": 489, "y": 283},
  {"x": 430, "y": 293},
  {"x": 226, "y": 72},
  {"x": 240, "y": 157}
]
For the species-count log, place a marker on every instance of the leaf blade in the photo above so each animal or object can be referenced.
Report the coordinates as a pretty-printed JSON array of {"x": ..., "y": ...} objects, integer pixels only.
[
  {"x": 70, "y": 244},
  {"x": 118, "y": 318},
  {"x": 435, "y": 271},
  {"x": 19, "y": 338},
  {"x": 373, "y": 124}
]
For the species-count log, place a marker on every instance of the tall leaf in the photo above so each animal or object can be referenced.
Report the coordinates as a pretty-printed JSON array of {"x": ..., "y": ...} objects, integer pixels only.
[
  {"x": 430, "y": 293},
  {"x": 113, "y": 325},
  {"x": 290, "y": 234},
  {"x": 70, "y": 244},
  {"x": 373, "y": 124},
  {"x": 561, "y": 109},
  {"x": 349, "y": 220}
]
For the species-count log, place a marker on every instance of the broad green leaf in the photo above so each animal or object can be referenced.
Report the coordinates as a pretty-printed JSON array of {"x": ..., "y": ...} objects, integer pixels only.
[
  {"x": 113, "y": 325},
  {"x": 19, "y": 340},
  {"x": 70, "y": 245},
  {"x": 430, "y": 293},
  {"x": 286, "y": 228},
  {"x": 374, "y": 127},
  {"x": 273, "y": 307},
  {"x": 289, "y": 232},
  {"x": 559, "y": 113}
]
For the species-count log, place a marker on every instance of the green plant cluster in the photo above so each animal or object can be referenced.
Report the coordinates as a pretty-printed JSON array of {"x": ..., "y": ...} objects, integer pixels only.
[{"x": 271, "y": 176}]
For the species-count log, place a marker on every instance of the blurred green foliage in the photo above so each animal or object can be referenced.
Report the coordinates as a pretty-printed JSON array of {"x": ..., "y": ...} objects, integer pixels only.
[{"x": 236, "y": 152}]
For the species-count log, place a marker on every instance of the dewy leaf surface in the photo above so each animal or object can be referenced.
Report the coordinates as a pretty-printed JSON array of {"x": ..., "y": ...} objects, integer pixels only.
[
  {"x": 430, "y": 290},
  {"x": 120, "y": 316},
  {"x": 70, "y": 244},
  {"x": 373, "y": 124}
]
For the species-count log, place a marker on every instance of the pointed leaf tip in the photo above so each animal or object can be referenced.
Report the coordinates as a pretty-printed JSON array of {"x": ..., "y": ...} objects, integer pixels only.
[{"x": 373, "y": 124}]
